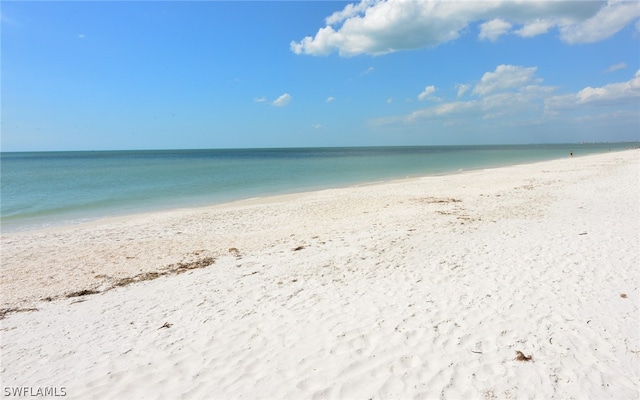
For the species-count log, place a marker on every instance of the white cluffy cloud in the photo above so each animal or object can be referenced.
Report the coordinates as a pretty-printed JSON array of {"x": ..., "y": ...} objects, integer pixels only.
[
  {"x": 513, "y": 93},
  {"x": 493, "y": 29},
  {"x": 538, "y": 26},
  {"x": 505, "y": 77},
  {"x": 508, "y": 90},
  {"x": 385, "y": 26},
  {"x": 611, "y": 94},
  {"x": 282, "y": 101},
  {"x": 426, "y": 93},
  {"x": 616, "y": 67},
  {"x": 462, "y": 88}
]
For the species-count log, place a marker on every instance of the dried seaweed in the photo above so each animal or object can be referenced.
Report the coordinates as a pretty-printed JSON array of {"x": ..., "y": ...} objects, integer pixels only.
[
  {"x": 5, "y": 311},
  {"x": 437, "y": 200},
  {"x": 84, "y": 292},
  {"x": 521, "y": 357},
  {"x": 145, "y": 276}
]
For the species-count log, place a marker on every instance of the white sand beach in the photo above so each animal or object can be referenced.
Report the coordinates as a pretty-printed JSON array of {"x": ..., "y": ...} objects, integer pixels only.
[{"x": 420, "y": 288}]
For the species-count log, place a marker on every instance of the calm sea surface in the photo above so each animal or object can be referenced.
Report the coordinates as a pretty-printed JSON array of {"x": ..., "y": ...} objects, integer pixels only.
[{"x": 42, "y": 189}]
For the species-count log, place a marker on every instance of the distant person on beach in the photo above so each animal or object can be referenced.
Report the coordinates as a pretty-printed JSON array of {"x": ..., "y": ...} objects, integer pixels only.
[{"x": 571, "y": 154}]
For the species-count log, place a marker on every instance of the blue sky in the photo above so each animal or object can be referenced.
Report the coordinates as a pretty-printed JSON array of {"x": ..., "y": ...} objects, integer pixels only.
[{"x": 163, "y": 75}]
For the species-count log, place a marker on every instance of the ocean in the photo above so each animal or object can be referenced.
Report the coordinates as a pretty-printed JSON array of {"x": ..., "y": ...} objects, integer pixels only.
[{"x": 44, "y": 189}]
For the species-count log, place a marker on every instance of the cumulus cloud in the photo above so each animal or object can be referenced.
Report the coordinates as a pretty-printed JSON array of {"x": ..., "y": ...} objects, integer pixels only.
[
  {"x": 493, "y": 29},
  {"x": 385, "y": 26},
  {"x": 507, "y": 91},
  {"x": 426, "y": 93},
  {"x": 512, "y": 95},
  {"x": 282, "y": 100},
  {"x": 260, "y": 99},
  {"x": 462, "y": 89},
  {"x": 506, "y": 77},
  {"x": 608, "y": 21},
  {"x": 330, "y": 99},
  {"x": 611, "y": 94},
  {"x": 453, "y": 108},
  {"x": 349, "y": 11},
  {"x": 536, "y": 27},
  {"x": 616, "y": 67}
]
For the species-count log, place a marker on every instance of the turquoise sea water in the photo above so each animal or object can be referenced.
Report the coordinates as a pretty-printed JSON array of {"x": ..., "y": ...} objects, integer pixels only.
[{"x": 42, "y": 189}]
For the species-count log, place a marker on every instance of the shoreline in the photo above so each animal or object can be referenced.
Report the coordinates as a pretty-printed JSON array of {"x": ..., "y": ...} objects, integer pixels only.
[
  {"x": 422, "y": 287},
  {"x": 60, "y": 221},
  {"x": 112, "y": 222}
]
